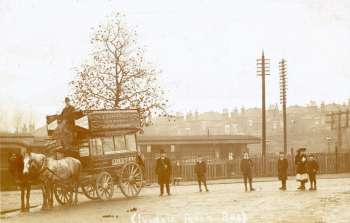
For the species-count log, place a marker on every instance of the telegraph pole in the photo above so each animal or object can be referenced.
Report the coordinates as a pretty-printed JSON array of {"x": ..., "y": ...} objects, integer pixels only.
[
  {"x": 283, "y": 99},
  {"x": 337, "y": 123},
  {"x": 263, "y": 69}
]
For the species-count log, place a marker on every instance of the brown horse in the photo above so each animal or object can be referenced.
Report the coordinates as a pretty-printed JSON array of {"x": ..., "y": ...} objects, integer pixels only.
[
  {"x": 15, "y": 161},
  {"x": 51, "y": 171}
]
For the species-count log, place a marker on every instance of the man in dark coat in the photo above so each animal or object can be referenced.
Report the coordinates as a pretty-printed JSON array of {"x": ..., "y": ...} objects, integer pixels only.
[
  {"x": 312, "y": 168},
  {"x": 282, "y": 166},
  {"x": 66, "y": 132},
  {"x": 201, "y": 169},
  {"x": 246, "y": 169},
  {"x": 67, "y": 115},
  {"x": 163, "y": 170},
  {"x": 301, "y": 168}
]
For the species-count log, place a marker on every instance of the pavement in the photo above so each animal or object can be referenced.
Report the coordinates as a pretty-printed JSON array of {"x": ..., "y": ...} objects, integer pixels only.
[{"x": 226, "y": 202}]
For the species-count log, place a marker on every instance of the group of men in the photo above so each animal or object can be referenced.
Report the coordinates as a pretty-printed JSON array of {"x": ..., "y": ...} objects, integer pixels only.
[
  {"x": 306, "y": 169},
  {"x": 164, "y": 169}
]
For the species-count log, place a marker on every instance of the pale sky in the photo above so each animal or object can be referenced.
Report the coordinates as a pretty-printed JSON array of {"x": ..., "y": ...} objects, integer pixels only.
[{"x": 207, "y": 50}]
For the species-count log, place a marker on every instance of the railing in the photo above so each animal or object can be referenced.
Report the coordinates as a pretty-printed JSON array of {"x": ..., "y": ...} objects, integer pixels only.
[{"x": 224, "y": 169}]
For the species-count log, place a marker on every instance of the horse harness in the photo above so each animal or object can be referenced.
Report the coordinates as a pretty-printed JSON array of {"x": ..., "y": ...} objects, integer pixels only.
[{"x": 44, "y": 168}]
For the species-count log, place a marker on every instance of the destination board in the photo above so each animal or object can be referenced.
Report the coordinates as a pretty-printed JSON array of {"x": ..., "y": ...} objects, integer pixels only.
[{"x": 101, "y": 121}]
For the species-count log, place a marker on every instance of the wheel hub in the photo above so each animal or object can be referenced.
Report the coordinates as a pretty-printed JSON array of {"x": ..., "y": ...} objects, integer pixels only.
[{"x": 131, "y": 179}]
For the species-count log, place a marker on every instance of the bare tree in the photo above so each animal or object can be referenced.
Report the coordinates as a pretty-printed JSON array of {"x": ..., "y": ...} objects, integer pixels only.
[{"x": 118, "y": 75}]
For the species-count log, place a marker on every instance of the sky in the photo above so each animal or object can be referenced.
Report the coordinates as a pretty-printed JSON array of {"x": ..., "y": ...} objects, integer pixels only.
[{"x": 207, "y": 50}]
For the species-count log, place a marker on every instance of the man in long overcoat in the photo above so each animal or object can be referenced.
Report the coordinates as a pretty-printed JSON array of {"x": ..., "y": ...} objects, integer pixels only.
[
  {"x": 67, "y": 115},
  {"x": 163, "y": 170},
  {"x": 201, "y": 169},
  {"x": 246, "y": 166},
  {"x": 282, "y": 166}
]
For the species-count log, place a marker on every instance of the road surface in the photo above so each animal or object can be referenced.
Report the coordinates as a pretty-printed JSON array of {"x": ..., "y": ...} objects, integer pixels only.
[{"x": 224, "y": 203}]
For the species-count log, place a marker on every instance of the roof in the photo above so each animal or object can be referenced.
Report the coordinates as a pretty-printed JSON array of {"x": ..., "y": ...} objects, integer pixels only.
[
  {"x": 10, "y": 140},
  {"x": 15, "y": 135},
  {"x": 198, "y": 139}
]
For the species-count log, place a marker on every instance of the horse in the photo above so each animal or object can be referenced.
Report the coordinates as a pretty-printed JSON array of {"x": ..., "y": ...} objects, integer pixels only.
[
  {"x": 51, "y": 171},
  {"x": 16, "y": 164}
]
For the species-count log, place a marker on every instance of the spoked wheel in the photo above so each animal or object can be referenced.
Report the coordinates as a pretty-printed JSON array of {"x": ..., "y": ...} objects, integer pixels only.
[
  {"x": 130, "y": 181},
  {"x": 104, "y": 186},
  {"x": 63, "y": 193},
  {"x": 89, "y": 190}
]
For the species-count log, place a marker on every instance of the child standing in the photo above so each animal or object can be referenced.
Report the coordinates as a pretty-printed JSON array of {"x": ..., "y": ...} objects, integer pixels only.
[
  {"x": 282, "y": 167},
  {"x": 312, "y": 167}
]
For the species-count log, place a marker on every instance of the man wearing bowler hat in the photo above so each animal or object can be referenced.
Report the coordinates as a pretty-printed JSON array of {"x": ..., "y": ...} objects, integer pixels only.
[{"x": 163, "y": 170}]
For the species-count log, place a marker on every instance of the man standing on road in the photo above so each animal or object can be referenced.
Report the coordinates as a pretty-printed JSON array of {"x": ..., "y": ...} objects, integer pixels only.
[
  {"x": 246, "y": 169},
  {"x": 201, "y": 169},
  {"x": 163, "y": 170},
  {"x": 282, "y": 167}
]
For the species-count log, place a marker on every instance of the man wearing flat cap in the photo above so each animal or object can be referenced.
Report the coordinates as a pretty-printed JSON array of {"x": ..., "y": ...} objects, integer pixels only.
[{"x": 163, "y": 170}]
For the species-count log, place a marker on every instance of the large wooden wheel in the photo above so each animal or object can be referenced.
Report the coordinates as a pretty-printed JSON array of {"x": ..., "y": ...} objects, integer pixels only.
[
  {"x": 104, "y": 186},
  {"x": 90, "y": 191},
  {"x": 130, "y": 180},
  {"x": 63, "y": 193}
]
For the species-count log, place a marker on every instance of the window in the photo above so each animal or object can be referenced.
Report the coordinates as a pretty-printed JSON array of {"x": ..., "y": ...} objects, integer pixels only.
[
  {"x": 148, "y": 148},
  {"x": 112, "y": 144},
  {"x": 108, "y": 145},
  {"x": 84, "y": 149},
  {"x": 230, "y": 156},
  {"x": 130, "y": 142},
  {"x": 96, "y": 147},
  {"x": 119, "y": 143}
]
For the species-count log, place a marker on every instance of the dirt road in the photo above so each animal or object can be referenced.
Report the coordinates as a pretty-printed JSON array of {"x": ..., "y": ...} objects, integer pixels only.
[{"x": 224, "y": 203}]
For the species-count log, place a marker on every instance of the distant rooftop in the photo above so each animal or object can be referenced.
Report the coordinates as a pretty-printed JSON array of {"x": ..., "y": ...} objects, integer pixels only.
[{"x": 199, "y": 139}]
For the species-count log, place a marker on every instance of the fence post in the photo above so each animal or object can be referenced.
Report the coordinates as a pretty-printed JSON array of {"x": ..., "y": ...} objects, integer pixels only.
[{"x": 292, "y": 158}]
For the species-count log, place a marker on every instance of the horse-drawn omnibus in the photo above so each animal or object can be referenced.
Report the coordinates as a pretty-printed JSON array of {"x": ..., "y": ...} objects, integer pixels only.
[{"x": 105, "y": 142}]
